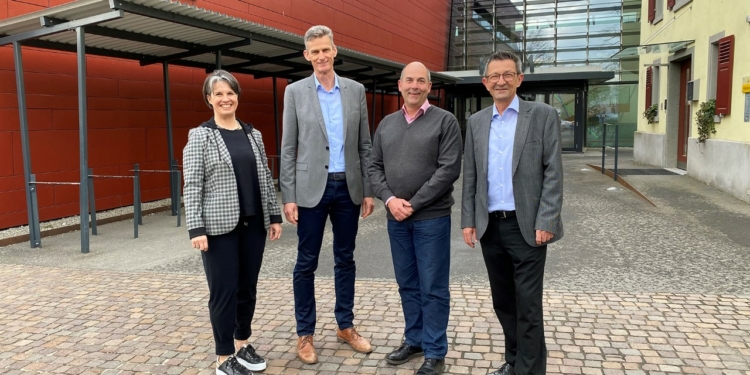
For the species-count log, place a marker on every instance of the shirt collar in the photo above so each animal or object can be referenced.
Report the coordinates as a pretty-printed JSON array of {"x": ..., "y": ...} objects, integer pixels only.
[
  {"x": 422, "y": 108},
  {"x": 513, "y": 105},
  {"x": 335, "y": 82}
]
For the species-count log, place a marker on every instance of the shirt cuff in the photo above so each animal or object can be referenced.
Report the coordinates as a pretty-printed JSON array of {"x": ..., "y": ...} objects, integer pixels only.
[
  {"x": 197, "y": 232},
  {"x": 275, "y": 219},
  {"x": 388, "y": 200}
]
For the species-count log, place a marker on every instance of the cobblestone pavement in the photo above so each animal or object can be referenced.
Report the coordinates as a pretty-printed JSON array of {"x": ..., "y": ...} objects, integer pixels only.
[
  {"x": 56, "y": 320},
  {"x": 631, "y": 289}
]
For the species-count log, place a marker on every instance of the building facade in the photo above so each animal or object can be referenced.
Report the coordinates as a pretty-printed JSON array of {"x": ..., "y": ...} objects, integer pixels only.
[
  {"x": 126, "y": 111},
  {"x": 563, "y": 43},
  {"x": 692, "y": 55}
]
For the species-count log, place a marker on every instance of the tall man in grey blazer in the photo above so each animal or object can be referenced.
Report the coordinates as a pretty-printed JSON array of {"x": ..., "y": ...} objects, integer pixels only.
[
  {"x": 512, "y": 198},
  {"x": 325, "y": 149}
]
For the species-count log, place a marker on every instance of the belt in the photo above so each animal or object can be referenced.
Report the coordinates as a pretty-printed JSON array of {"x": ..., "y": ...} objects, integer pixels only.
[
  {"x": 503, "y": 214},
  {"x": 337, "y": 176}
]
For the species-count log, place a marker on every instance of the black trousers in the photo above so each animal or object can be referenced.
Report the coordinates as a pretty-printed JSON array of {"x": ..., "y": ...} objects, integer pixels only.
[
  {"x": 516, "y": 273},
  {"x": 232, "y": 264}
]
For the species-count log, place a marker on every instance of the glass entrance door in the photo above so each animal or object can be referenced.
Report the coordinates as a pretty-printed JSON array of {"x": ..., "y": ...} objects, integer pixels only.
[{"x": 566, "y": 104}]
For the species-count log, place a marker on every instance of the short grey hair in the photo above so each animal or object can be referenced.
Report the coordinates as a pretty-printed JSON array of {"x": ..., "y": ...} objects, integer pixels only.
[
  {"x": 429, "y": 77},
  {"x": 215, "y": 77},
  {"x": 318, "y": 31},
  {"x": 504, "y": 55}
]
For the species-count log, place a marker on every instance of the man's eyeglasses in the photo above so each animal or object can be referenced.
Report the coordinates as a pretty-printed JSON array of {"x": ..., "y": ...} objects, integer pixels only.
[{"x": 496, "y": 77}]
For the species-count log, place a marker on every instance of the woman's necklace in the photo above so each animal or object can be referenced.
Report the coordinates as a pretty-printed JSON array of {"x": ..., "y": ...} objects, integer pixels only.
[{"x": 237, "y": 127}]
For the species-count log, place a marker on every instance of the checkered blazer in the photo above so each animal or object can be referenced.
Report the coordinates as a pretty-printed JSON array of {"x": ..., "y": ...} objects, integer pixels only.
[{"x": 212, "y": 205}]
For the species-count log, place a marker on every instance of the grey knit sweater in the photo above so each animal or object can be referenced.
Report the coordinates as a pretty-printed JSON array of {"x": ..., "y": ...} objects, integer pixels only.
[{"x": 418, "y": 162}]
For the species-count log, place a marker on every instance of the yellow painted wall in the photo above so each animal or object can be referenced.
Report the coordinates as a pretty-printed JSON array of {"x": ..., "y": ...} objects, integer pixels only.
[{"x": 698, "y": 21}]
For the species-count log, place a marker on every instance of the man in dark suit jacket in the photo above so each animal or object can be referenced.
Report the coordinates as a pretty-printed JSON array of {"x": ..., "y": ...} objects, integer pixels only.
[
  {"x": 325, "y": 149},
  {"x": 512, "y": 198}
]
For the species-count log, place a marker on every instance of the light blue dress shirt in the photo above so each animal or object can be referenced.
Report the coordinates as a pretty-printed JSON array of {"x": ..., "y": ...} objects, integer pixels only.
[
  {"x": 500, "y": 159},
  {"x": 333, "y": 116}
]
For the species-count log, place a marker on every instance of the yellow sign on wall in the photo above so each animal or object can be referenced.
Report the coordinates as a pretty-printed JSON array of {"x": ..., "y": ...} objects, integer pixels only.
[{"x": 746, "y": 85}]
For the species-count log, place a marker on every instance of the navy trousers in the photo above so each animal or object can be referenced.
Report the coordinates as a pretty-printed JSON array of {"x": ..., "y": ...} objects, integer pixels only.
[{"x": 344, "y": 214}]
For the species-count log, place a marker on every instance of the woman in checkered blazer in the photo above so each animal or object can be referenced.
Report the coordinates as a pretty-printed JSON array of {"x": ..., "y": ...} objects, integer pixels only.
[{"x": 230, "y": 204}]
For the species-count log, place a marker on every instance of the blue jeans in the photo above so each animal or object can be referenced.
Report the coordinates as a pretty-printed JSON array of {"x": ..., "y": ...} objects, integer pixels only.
[
  {"x": 344, "y": 215},
  {"x": 421, "y": 261}
]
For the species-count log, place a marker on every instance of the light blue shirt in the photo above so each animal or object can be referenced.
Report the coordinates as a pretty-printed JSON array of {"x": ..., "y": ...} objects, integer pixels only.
[
  {"x": 500, "y": 159},
  {"x": 330, "y": 105}
]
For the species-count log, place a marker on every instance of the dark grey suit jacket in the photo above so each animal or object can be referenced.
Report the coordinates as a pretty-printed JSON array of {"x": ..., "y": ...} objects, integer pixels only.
[
  {"x": 537, "y": 171},
  {"x": 304, "y": 143}
]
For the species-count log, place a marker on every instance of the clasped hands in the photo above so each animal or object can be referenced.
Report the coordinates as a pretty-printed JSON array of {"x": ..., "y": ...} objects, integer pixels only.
[{"x": 400, "y": 208}]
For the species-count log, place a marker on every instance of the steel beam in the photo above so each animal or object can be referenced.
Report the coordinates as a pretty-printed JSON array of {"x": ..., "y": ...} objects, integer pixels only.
[
  {"x": 83, "y": 138},
  {"x": 265, "y": 60},
  {"x": 170, "y": 144},
  {"x": 196, "y": 52},
  {"x": 32, "y": 214},
  {"x": 276, "y": 127},
  {"x": 43, "y": 31}
]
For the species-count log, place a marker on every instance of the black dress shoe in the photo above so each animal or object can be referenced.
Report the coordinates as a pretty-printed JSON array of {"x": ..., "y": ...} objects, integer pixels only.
[
  {"x": 403, "y": 354},
  {"x": 431, "y": 366},
  {"x": 505, "y": 369}
]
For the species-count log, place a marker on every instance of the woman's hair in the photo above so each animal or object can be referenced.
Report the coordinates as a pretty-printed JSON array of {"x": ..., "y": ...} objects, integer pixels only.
[{"x": 213, "y": 78}]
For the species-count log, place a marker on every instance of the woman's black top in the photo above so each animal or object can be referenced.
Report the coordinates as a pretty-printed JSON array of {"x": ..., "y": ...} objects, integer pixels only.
[{"x": 245, "y": 170}]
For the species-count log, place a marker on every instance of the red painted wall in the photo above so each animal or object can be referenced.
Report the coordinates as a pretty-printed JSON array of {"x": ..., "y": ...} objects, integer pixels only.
[{"x": 126, "y": 118}]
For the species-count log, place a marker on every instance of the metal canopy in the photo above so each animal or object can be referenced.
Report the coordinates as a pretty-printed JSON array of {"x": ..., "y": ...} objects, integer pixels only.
[
  {"x": 166, "y": 32},
  {"x": 154, "y": 31}
]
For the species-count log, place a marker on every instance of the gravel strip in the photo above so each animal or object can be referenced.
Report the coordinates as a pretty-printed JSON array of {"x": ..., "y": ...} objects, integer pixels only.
[{"x": 59, "y": 223}]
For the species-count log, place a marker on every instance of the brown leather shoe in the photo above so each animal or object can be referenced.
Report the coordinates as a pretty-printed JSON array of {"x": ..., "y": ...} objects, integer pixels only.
[
  {"x": 351, "y": 337},
  {"x": 306, "y": 350}
]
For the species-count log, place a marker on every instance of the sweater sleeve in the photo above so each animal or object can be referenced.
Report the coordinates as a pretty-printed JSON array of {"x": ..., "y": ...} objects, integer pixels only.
[{"x": 376, "y": 168}]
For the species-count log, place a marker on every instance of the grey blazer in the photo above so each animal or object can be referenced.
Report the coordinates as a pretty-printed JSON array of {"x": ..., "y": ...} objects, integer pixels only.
[
  {"x": 537, "y": 171},
  {"x": 304, "y": 143},
  {"x": 212, "y": 204}
]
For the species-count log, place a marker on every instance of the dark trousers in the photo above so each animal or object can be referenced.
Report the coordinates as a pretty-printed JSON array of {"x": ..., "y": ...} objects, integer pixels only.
[
  {"x": 516, "y": 273},
  {"x": 336, "y": 204},
  {"x": 421, "y": 260},
  {"x": 232, "y": 263}
]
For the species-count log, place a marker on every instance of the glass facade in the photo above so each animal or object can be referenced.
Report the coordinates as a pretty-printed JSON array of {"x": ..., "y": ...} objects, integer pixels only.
[{"x": 558, "y": 33}]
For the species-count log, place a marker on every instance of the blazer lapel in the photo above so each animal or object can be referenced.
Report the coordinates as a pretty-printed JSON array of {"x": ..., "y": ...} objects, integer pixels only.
[
  {"x": 315, "y": 103},
  {"x": 345, "y": 102},
  {"x": 223, "y": 151},
  {"x": 522, "y": 130},
  {"x": 485, "y": 120}
]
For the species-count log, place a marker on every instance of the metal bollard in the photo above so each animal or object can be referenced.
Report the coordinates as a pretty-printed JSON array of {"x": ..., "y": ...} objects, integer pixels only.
[
  {"x": 34, "y": 229},
  {"x": 136, "y": 187},
  {"x": 92, "y": 203},
  {"x": 604, "y": 143},
  {"x": 179, "y": 200}
]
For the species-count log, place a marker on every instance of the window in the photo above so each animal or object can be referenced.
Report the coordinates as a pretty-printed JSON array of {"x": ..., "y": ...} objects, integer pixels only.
[
  {"x": 651, "y": 11},
  {"x": 670, "y": 4},
  {"x": 649, "y": 86},
  {"x": 724, "y": 66},
  {"x": 655, "y": 11}
]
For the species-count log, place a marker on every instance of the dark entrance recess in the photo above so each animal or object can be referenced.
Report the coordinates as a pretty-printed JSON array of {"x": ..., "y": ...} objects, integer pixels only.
[{"x": 565, "y": 91}]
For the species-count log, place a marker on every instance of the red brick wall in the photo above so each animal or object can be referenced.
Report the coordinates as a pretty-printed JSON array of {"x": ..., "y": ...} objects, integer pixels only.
[{"x": 126, "y": 116}]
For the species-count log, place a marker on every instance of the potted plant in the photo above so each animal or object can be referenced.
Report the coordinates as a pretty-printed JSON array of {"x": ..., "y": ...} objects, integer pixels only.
[
  {"x": 651, "y": 113},
  {"x": 705, "y": 120}
]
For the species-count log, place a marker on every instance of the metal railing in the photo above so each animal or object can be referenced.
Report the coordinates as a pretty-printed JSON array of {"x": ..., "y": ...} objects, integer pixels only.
[
  {"x": 616, "y": 147},
  {"x": 34, "y": 225}
]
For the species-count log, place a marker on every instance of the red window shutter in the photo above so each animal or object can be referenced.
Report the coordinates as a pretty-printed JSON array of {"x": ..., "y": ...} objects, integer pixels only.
[
  {"x": 670, "y": 4},
  {"x": 651, "y": 11},
  {"x": 649, "y": 85},
  {"x": 724, "y": 77}
]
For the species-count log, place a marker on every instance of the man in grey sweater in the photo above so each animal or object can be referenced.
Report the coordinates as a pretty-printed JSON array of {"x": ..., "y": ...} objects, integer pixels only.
[{"x": 416, "y": 158}]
